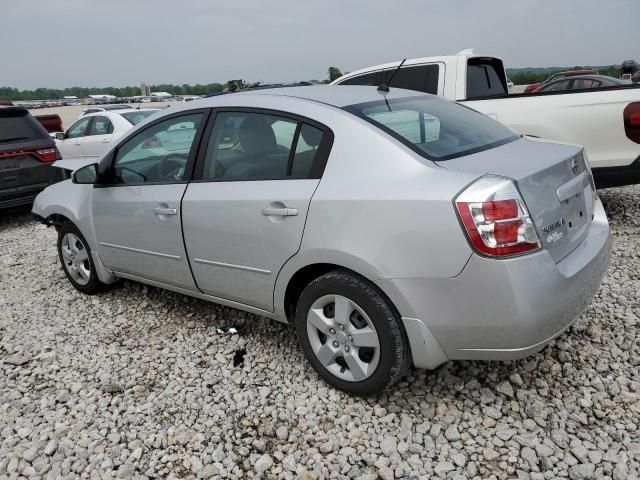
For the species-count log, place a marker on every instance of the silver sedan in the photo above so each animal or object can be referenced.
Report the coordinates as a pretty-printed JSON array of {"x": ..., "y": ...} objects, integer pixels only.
[{"x": 391, "y": 228}]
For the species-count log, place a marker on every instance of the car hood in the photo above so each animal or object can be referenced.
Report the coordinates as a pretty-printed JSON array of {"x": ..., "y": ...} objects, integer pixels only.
[{"x": 73, "y": 164}]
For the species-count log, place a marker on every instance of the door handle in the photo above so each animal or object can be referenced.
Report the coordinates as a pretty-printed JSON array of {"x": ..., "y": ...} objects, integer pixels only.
[
  {"x": 280, "y": 212},
  {"x": 105, "y": 140},
  {"x": 76, "y": 143},
  {"x": 165, "y": 211}
]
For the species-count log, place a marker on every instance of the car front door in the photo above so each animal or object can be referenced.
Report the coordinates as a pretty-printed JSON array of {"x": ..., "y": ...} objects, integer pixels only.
[
  {"x": 136, "y": 206},
  {"x": 71, "y": 146},
  {"x": 98, "y": 140},
  {"x": 244, "y": 215}
]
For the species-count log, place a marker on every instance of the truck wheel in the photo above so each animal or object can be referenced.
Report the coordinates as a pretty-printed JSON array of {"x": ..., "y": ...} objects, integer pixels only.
[
  {"x": 75, "y": 257},
  {"x": 351, "y": 334}
]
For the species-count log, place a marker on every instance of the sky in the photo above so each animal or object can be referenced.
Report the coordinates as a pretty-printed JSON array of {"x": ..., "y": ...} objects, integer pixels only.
[{"x": 64, "y": 43}]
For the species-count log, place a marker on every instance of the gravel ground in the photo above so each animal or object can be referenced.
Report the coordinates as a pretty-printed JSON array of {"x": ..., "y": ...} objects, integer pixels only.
[{"x": 142, "y": 383}]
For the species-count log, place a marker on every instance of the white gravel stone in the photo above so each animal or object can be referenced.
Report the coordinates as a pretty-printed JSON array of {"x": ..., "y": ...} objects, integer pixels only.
[{"x": 136, "y": 382}]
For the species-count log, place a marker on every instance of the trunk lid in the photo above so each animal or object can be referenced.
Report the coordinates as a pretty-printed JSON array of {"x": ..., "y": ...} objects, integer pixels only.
[{"x": 554, "y": 182}]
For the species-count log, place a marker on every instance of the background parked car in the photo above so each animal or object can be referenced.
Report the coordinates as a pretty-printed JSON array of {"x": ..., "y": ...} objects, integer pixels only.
[
  {"x": 26, "y": 154},
  {"x": 556, "y": 76},
  {"x": 581, "y": 82},
  {"x": 103, "y": 108},
  {"x": 94, "y": 133}
]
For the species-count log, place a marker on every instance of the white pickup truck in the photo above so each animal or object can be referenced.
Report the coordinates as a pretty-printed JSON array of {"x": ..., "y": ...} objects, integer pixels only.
[{"x": 606, "y": 121}]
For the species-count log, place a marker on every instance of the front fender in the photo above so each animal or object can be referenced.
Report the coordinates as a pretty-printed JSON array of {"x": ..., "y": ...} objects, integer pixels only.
[{"x": 70, "y": 200}]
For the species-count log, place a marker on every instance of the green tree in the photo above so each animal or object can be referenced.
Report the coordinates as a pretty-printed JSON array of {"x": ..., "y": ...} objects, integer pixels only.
[{"x": 334, "y": 73}]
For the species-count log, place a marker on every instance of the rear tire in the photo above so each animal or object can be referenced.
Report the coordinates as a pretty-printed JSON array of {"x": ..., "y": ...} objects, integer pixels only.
[
  {"x": 76, "y": 261},
  {"x": 351, "y": 334}
]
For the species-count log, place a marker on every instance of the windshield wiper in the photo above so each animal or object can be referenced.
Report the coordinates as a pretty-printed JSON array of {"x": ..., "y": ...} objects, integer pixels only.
[{"x": 14, "y": 139}]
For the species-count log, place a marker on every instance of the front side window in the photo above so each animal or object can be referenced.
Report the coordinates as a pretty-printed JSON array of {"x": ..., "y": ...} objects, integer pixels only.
[
  {"x": 158, "y": 153},
  {"x": 101, "y": 126},
  {"x": 254, "y": 146},
  {"x": 435, "y": 128},
  {"x": 79, "y": 128}
]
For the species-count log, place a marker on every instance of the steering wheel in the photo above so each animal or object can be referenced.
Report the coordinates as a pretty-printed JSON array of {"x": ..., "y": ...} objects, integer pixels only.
[{"x": 172, "y": 168}]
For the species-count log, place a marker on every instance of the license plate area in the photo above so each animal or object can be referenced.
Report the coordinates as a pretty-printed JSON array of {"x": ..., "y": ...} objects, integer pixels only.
[{"x": 9, "y": 164}]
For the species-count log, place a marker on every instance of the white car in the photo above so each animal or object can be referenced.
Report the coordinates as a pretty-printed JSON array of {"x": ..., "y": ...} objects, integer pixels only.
[{"x": 95, "y": 133}]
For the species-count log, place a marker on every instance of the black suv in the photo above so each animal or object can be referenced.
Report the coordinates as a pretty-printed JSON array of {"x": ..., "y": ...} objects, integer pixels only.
[{"x": 26, "y": 154}]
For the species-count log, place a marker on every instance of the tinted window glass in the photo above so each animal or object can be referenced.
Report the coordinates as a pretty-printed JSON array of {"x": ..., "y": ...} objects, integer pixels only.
[
  {"x": 557, "y": 86},
  {"x": 368, "y": 79},
  {"x": 306, "y": 151},
  {"x": 585, "y": 83},
  {"x": 158, "y": 153},
  {"x": 101, "y": 126},
  {"x": 423, "y": 78},
  {"x": 485, "y": 77},
  {"x": 18, "y": 126},
  {"x": 433, "y": 127},
  {"x": 79, "y": 128},
  {"x": 136, "y": 117},
  {"x": 249, "y": 146}
]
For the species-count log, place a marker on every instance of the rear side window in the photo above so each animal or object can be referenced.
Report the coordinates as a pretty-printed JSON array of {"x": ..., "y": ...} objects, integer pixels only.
[
  {"x": 18, "y": 126},
  {"x": 435, "y": 128},
  {"x": 423, "y": 78},
  {"x": 259, "y": 146},
  {"x": 485, "y": 78}
]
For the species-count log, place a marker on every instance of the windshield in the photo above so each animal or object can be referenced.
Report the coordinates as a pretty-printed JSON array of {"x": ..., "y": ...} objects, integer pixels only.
[
  {"x": 136, "y": 117},
  {"x": 436, "y": 129}
]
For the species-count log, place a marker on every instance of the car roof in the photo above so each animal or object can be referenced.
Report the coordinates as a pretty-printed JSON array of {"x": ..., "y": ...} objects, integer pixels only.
[{"x": 327, "y": 94}]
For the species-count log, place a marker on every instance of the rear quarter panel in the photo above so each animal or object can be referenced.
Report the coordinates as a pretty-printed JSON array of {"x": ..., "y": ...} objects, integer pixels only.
[{"x": 381, "y": 210}]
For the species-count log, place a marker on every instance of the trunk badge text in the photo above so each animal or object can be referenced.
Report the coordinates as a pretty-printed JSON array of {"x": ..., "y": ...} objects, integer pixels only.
[{"x": 549, "y": 230}]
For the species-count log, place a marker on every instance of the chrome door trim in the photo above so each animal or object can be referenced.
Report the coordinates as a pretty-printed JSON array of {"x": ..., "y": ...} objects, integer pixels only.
[
  {"x": 231, "y": 265},
  {"x": 137, "y": 250}
]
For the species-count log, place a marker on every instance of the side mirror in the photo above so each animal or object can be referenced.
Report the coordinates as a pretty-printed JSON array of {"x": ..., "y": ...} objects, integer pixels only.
[
  {"x": 59, "y": 135},
  {"x": 86, "y": 175}
]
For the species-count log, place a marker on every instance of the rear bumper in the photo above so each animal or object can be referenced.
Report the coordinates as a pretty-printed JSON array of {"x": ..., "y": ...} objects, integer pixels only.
[
  {"x": 20, "y": 186},
  {"x": 617, "y": 176},
  {"x": 507, "y": 309}
]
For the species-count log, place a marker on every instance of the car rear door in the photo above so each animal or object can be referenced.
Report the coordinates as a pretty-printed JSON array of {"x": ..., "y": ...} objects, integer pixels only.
[
  {"x": 136, "y": 206},
  {"x": 99, "y": 136},
  {"x": 244, "y": 215},
  {"x": 71, "y": 145}
]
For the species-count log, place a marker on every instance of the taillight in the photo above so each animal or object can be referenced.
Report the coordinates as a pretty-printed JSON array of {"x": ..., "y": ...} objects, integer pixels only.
[
  {"x": 48, "y": 154},
  {"x": 496, "y": 218},
  {"x": 631, "y": 117}
]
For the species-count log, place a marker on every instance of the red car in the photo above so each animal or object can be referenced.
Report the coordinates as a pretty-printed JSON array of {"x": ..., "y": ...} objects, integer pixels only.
[{"x": 556, "y": 76}]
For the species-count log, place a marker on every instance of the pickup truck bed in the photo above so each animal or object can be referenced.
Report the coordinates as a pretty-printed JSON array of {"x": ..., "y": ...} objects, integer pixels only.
[{"x": 606, "y": 121}]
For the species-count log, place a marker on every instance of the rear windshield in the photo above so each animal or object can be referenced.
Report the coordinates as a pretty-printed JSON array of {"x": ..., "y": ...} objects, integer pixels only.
[
  {"x": 437, "y": 129},
  {"x": 19, "y": 126},
  {"x": 136, "y": 117},
  {"x": 485, "y": 78}
]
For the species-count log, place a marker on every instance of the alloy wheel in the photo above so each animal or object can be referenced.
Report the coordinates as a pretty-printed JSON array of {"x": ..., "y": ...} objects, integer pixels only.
[
  {"x": 76, "y": 259},
  {"x": 343, "y": 338}
]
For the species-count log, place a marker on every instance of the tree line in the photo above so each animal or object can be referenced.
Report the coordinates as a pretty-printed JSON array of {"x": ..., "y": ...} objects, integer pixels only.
[
  {"x": 518, "y": 77},
  {"x": 10, "y": 93}
]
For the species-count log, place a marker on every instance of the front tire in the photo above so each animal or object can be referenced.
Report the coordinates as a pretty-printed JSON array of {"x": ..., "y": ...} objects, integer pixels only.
[
  {"x": 351, "y": 334},
  {"x": 76, "y": 261}
]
